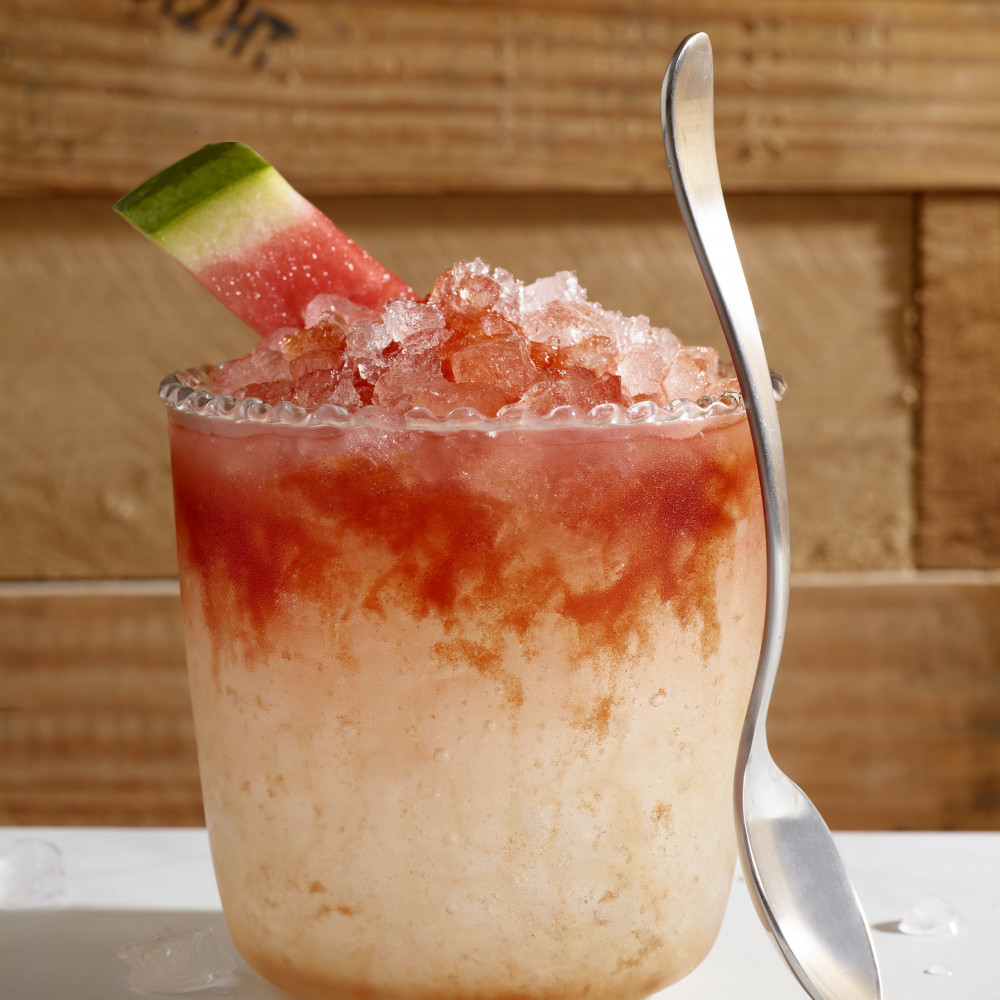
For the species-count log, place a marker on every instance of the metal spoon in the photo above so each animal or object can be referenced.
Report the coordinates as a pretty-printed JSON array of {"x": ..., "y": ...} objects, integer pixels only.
[{"x": 796, "y": 878}]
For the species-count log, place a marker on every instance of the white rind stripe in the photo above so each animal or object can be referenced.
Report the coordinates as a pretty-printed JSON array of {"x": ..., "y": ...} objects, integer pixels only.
[{"x": 234, "y": 221}]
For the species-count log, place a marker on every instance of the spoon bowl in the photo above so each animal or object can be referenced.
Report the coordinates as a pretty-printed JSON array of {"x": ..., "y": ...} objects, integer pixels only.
[{"x": 795, "y": 876}]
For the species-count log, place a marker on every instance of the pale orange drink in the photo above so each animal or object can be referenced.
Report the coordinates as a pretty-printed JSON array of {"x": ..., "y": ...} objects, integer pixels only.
[{"x": 473, "y": 592}]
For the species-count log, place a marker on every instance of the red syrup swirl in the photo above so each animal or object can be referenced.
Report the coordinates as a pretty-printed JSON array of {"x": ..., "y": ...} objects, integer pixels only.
[{"x": 599, "y": 526}]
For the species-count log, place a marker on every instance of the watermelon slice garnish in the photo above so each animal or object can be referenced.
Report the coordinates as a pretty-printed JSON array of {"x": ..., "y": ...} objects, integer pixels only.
[{"x": 252, "y": 240}]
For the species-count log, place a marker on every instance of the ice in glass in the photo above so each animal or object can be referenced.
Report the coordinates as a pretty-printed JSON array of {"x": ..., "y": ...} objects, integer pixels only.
[{"x": 473, "y": 596}]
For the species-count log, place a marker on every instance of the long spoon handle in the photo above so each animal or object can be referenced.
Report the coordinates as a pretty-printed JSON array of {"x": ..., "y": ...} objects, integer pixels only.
[
  {"x": 795, "y": 876},
  {"x": 686, "y": 116}
]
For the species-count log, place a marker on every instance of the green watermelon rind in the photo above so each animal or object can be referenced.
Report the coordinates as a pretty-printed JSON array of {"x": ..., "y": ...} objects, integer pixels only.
[
  {"x": 251, "y": 239},
  {"x": 188, "y": 184},
  {"x": 217, "y": 204}
]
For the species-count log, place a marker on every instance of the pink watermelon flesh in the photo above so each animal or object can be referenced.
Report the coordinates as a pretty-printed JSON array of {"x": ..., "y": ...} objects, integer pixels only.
[
  {"x": 251, "y": 239},
  {"x": 271, "y": 286}
]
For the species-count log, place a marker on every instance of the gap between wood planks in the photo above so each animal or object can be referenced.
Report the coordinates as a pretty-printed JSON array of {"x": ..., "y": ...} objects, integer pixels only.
[{"x": 165, "y": 587}]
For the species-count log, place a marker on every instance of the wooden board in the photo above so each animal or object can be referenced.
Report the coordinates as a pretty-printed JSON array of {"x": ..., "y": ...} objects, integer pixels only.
[
  {"x": 887, "y": 705},
  {"x": 86, "y": 490},
  {"x": 95, "y": 718},
  {"x": 407, "y": 96},
  {"x": 959, "y": 485},
  {"x": 887, "y": 708}
]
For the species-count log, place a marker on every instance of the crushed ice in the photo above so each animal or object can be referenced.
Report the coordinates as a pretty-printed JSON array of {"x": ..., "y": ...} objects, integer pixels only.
[
  {"x": 931, "y": 915},
  {"x": 179, "y": 960},
  {"x": 31, "y": 874},
  {"x": 481, "y": 341}
]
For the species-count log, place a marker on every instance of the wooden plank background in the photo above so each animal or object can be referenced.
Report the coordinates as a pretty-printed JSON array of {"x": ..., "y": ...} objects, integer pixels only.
[
  {"x": 878, "y": 705},
  {"x": 959, "y": 497},
  {"x": 126, "y": 315},
  {"x": 418, "y": 95},
  {"x": 860, "y": 145}
]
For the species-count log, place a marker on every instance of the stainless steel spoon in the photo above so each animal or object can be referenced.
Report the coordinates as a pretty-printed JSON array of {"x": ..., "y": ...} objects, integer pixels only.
[{"x": 796, "y": 878}]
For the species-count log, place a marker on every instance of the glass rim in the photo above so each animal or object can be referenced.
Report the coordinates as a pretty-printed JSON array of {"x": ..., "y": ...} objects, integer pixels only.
[{"x": 184, "y": 392}]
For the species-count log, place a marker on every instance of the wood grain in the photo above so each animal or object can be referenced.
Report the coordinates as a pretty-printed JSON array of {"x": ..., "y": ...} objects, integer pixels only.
[
  {"x": 443, "y": 95},
  {"x": 887, "y": 705},
  {"x": 959, "y": 484},
  {"x": 887, "y": 708},
  {"x": 95, "y": 718},
  {"x": 95, "y": 315}
]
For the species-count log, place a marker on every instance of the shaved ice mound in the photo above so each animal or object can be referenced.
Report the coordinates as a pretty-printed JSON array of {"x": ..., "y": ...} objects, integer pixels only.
[{"x": 481, "y": 346}]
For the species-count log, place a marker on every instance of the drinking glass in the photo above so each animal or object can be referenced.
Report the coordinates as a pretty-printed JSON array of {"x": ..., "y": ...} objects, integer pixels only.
[{"x": 467, "y": 693}]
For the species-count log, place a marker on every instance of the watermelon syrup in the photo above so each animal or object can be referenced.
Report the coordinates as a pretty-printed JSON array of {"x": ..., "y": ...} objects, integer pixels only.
[{"x": 468, "y": 691}]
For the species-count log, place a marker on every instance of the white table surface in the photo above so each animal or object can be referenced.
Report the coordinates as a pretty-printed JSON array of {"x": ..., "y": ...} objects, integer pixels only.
[{"x": 126, "y": 885}]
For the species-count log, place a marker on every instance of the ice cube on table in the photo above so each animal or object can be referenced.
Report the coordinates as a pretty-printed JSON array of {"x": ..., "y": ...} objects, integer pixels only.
[
  {"x": 31, "y": 874},
  {"x": 931, "y": 914},
  {"x": 179, "y": 960}
]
